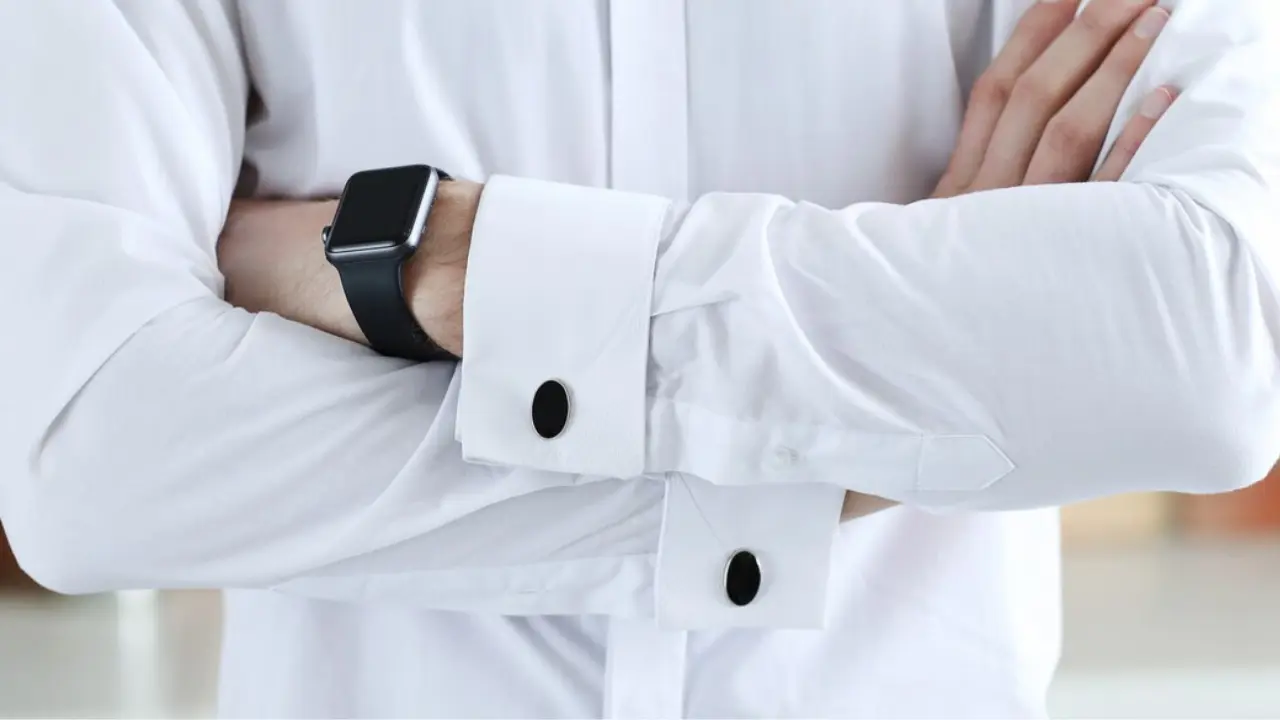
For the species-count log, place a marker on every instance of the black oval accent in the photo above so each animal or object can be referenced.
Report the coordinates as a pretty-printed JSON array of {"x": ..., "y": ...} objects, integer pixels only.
[
  {"x": 742, "y": 578},
  {"x": 550, "y": 409}
]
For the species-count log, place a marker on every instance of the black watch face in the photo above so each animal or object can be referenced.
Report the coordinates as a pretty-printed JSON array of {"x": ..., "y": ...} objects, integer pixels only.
[{"x": 378, "y": 208}]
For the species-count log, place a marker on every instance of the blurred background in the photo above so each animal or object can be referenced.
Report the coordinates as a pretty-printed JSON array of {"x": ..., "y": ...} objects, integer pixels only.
[{"x": 1172, "y": 610}]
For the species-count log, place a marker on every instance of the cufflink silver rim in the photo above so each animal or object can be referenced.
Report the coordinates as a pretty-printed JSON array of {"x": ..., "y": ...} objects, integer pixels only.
[{"x": 728, "y": 563}]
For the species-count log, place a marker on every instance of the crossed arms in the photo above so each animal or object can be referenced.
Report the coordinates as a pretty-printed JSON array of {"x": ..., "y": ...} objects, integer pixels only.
[{"x": 1022, "y": 347}]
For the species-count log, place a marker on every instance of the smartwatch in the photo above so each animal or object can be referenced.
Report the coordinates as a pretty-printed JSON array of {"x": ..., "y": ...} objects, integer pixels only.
[{"x": 379, "y": 223}]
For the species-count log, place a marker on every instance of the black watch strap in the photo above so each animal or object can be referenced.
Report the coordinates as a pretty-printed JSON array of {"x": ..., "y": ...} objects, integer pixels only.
[{"x": 384, "y": 317}]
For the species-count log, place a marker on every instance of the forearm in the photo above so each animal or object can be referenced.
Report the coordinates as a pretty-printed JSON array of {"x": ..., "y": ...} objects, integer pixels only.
[
  {"x": 197, "y": 444},
  {"x": 273, "y": 262},
  {"x": 272, "y": 259},
  {"x": 1092, "y": 340},
  {"x": 1017, "y": 348},
  {"x": 215, "y": 448}
]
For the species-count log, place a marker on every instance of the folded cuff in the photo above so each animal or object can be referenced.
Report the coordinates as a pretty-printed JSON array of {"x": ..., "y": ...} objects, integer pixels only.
[
  {"x": 556, "y": 327},
  {"x": 786, "y": 533}
]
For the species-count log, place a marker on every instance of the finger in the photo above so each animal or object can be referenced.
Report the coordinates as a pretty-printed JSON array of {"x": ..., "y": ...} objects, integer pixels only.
[
  {"x": 1049, "y": 84},
  {"x": 1037, "y": 29},
  {"x": 1135, "y": 133},
  {"x": 1069, "y": 148}
]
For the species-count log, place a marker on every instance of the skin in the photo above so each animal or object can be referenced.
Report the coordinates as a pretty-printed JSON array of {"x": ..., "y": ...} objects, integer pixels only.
[
  {"x": 272, "y": 259},
  {"x": 1039, "y": 115}
]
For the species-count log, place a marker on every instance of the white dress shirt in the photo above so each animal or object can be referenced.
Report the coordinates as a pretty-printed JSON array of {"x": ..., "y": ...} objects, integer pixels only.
[{"x": 703, "y": 221}]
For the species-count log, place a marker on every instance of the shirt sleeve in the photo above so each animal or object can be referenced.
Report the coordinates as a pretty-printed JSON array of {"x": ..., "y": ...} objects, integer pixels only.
[
  {"x": 154, "y": 436},
  {"x": 1012, "y": 349}
]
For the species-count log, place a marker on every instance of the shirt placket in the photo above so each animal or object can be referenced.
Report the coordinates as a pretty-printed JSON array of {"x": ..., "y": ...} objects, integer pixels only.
[
  {"x": 649, "y": 105},
  {"x": 649, "y": 152}
]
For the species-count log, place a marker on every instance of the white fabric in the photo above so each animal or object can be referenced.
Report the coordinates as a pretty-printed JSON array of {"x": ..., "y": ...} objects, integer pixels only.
[{"x": 735, "y": 358}]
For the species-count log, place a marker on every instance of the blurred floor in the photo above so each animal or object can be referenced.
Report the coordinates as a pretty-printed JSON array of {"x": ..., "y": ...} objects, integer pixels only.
[{"x": 1156, "y": 632}]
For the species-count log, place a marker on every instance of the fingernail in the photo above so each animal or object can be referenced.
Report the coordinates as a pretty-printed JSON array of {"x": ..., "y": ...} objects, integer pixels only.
[
  {"x": 1156, "y": 104},
  {"x": 1151, "y": 23}
]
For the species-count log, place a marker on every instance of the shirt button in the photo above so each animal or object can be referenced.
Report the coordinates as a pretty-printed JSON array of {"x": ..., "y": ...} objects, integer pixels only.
[
  {"x": 550, "y": 409},
  {"x": 742, "y": 578},
  {"x": 785, "y": 457}
]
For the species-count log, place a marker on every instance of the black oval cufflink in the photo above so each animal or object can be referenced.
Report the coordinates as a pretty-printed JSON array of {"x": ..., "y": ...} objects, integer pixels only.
[
  {"x": 550, "y": 409},
  {"x": 742, "y": 578}
]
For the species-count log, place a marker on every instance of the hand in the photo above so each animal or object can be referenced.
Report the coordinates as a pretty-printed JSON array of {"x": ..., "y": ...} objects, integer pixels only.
[{"x": 1041, "y": 112}]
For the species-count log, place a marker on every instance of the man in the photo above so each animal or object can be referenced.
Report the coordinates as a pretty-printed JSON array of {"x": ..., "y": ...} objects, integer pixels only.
[{"x": 626, "y": 500}]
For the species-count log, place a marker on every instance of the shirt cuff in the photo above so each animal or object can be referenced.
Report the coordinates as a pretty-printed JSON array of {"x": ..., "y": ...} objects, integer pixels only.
[
  {"x": 556, "y": 327},
  {"x": 787, "y": 531}
]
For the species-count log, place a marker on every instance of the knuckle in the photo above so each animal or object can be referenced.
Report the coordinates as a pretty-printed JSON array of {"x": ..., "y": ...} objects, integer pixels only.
[
  {"x": 1032, "y": 91},
  {"x": 1066, "y": 135},
  {"x": 1126, "y": 147},
  {"x": 992, "y": 89},
  {"x": 1092, "y": 21}
]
